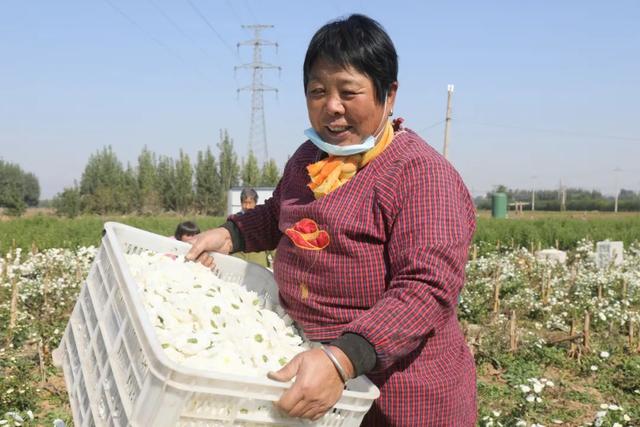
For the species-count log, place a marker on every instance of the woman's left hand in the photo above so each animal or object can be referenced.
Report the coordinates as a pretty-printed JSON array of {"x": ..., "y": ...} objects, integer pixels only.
[{"x": 317, "y": 387}]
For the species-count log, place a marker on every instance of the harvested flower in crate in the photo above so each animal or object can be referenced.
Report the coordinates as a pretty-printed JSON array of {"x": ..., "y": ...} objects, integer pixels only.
[{"x": 204, "y": 322}]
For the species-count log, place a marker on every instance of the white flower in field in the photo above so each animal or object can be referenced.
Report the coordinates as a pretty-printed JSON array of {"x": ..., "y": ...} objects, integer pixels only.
[
  {"x": 30, "y": 414},
  {"x": 496, "y": 413},
  {"x": 601, "y": 414},
  {"x": 615, "y": 408},
  {"x": 604, "y": 406},
  {"x": 617, "y": 425},
  {"x": 525, "y": 388},
  {"x": 594, "y": 368},
  {"x": 626, "y": 417},
  {"x": 602, "y": 316},
  {"x": 521, "y": 423},
  {"x": 604, "y": 354},
  {"x": 537, "y": 387},
  {"x": 3, "y": 422},
  {"x": 530, "y": 398},
  {"x": 557, "y": 421},
  {"x": 537, "y": 425}
]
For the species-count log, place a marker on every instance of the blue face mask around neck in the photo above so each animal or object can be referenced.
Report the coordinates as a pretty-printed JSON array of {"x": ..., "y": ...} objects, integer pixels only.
[
  {"x": 339, "y": 150},
  {"x": 346, "y": 150}
]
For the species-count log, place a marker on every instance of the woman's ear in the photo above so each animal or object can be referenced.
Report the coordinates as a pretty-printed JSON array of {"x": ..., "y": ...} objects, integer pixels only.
[{"x": 391, "y": 97}]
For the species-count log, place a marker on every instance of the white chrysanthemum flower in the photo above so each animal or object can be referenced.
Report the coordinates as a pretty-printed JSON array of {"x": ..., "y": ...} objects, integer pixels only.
[
  {"x": 203, "y": 322},
  {"x": 525, "y": 388}
]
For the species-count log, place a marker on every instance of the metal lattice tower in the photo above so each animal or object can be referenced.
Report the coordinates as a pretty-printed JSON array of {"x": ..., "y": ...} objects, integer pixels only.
[{"x": 257, "y": 131}]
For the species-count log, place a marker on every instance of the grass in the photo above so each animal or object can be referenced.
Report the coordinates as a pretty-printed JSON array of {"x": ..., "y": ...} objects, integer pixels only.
[{"x": 47, "y": 231}]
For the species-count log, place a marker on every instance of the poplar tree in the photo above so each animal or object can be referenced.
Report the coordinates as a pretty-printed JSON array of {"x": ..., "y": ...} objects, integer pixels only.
[
  {"x": 229, "y": 168},
  {"x": 148, "y": 195},
  {"x": 184, "y": 183},
  {"x": 166, "y": 183},
  {"x": 270, "y": 174},
  {"x": 208, "y": 185},
  {"x": 251, "y": 175}
]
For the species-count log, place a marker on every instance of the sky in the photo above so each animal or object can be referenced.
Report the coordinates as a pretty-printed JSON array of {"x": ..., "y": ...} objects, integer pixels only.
[{"x": 546, "y": 92}]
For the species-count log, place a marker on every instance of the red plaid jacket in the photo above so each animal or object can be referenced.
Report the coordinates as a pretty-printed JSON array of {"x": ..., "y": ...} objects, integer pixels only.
[{"x": 392, "y": 272}]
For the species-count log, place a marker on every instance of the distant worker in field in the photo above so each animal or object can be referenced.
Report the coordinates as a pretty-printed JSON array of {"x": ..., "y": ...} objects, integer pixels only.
[
  {"x": 248, "y": 199},
  {"x": 185, "y": 231}
]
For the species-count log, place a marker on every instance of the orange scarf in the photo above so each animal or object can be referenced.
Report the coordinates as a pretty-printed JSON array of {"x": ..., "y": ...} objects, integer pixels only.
[{"x": 334, "y": 171}]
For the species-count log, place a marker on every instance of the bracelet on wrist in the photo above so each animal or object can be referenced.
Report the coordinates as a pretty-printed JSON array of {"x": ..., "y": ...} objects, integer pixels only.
[{"x": 343, "y": 374}]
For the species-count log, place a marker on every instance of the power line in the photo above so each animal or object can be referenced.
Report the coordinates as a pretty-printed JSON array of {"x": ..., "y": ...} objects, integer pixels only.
[
  {"x": 154, "y": 39},
  {"x": 430, "y": 126},
  {"x": 179, "y": 29},
  {"x": 233, "y": 11},
  {"x": 246, "y": 4},
  {"x": 206, "y": 21},
  {"x": 563, "y": 131}
]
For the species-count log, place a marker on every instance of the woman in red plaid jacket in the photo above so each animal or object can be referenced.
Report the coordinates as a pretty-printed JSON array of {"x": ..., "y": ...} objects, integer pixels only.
[{"x": 372, "y": 228}]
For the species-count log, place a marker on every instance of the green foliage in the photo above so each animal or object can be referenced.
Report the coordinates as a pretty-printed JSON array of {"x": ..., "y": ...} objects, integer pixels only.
[
  {"x": 229, "y": 168},
  {"x": 566, "y": 231},
  {"x": 56, "y": 232},
  {"x": 250, "y": 171},
  {"x": 103, "y": 186},
  {"x": 270, "y": 174},
  {"x": 167, "y": 183},
  {"x": 68, "y": 203},
  {"x": 208, "y": 185},
  {"x": 183, "y": 183},
  {"x": 577, "y": 199},
  {"x": 162, "y": 183},
  {"x": 148, "y": 196},
  {"x": 17, "y": 189}
]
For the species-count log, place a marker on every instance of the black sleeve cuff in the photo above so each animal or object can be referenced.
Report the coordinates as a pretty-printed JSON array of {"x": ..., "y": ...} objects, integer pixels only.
[
  {"x": 237, "y": 241},
  {"x": 359, "y": 351}
]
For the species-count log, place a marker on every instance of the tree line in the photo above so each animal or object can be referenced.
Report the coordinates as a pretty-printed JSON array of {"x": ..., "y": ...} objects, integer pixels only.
[
  {"x": 576, "y": 199},
  {"x": 161, "y": 183},
  {"x": 18, "y": 189}
]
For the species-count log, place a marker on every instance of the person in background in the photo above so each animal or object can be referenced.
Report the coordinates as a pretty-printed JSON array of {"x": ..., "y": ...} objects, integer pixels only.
[
  {"x": 248, "y": 199},
  {"x": 248, "y": 202},
  {"x": 185, "y": 231},
  {"x": 372, "y": 228}
]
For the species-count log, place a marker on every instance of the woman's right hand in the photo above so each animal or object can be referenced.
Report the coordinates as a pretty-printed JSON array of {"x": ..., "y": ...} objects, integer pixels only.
[{"x": 214, "y": 240}]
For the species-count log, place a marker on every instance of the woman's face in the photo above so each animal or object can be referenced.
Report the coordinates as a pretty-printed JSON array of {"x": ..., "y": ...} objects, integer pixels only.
[{"x": 342, "y": 104}]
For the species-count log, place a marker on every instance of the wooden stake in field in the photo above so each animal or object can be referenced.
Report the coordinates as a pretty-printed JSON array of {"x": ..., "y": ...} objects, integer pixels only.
[
  {"x": 13, "y": 310},
  {"x": 625, "y": 289},
  {"x": 572, "y": 347},
  {"x": 496, "y": 296},
  {"x": 630, "y": 334},
  {"x": 513, "y": 333},
  {"x": 474, "y": 252},
  {"x": 586, "y": 332}
]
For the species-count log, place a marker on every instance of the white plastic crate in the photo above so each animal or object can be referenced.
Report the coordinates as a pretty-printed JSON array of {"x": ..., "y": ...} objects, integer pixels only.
[{"x": 118, "y": 375}]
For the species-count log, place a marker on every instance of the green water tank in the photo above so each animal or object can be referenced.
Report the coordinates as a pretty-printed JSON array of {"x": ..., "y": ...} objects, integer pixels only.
[{"x": 499, "y": 205}]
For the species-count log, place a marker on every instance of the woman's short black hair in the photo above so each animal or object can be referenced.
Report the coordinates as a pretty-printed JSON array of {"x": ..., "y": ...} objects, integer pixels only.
[
  {"x": 187, "y": 228},
  {"x": 248, "y": 193},
  {"x": 360, "y": 42}
]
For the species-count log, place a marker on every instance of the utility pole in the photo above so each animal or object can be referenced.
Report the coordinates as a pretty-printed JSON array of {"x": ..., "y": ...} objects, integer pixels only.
[
  {"x": 447, "y": 124},
  {"x": 257, "y": 131},
  {"x": 617, "y": 188},
  {"x": 563, "y": 197},
  {"x": 533, "y": 193}
]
